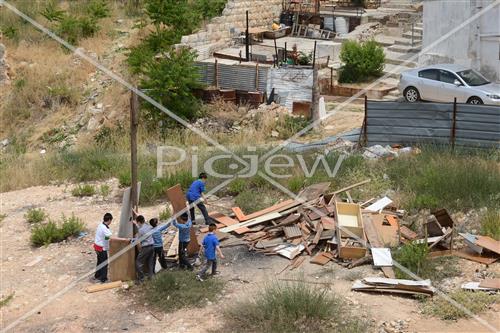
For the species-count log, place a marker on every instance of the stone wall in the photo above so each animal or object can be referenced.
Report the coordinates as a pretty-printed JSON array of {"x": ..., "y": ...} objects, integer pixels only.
[
  {"x": 3, "y": 66},
  {"x": 219, "y": 32}
]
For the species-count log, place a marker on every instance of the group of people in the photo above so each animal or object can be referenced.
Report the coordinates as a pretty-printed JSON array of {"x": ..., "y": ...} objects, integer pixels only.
[{"x": 149, "y": 240}]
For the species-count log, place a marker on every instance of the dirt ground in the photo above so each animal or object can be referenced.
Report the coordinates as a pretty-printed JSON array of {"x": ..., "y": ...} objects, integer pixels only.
[{"x": 37, "y": 275}]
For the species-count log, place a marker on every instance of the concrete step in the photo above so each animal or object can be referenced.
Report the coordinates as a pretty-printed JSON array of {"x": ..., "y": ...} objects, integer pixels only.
[
  {"x": 396, "y": 58},
  {"x": 395, "y": 70},
  {"x": 407, "y": 41},
  {"x": 415, "y": 35},
  {"x": 384, "y": 40},
  {"x": 405, "y": 48}
]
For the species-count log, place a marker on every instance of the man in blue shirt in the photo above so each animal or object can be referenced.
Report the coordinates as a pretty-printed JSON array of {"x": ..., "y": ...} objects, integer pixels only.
[
  {"x": 211, "y": 248},
  {"x": 195, "y": 193},
  {"x": 158, "y": 241},
  {"x": 184, "y": 238}
]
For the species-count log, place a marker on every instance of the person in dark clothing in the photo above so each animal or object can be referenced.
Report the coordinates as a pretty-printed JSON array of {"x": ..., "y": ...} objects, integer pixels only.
[
  {"x": 184, "y": 239},
  {"x": 194, "y": 194},
  {"x": 146, "y": 251},
  {"x": 158, "y": 241}
]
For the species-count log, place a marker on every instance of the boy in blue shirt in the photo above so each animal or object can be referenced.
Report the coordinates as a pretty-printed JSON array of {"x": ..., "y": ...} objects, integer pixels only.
[
  {"x": 211, "y": 248},
  {"x": 195, "y": 193},
  {"x": 184, "y": 238},
  {"x": 158, "y": 241}
]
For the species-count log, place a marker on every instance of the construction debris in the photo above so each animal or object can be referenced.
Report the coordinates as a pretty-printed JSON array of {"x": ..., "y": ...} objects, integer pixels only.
[
  {"x": 104, "y": 286},
  {"x": 383, "y": 285}
]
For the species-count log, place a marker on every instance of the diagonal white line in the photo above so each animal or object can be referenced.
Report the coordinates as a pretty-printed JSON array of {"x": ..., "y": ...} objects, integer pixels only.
[
  {"x": 397, "y": 264},
  {"x": 120, "y": 80},
  {"x": 373, "y": 84}
]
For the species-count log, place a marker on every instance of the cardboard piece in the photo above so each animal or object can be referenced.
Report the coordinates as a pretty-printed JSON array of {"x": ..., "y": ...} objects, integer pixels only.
[
  {"x": 475, "y": 286},
  {"x": 490, "y": 283},
  {"x": 379, "y": 204},
  {"x": 381, "y": 257},
  {"x": 470, "y": 255},
  {"x": 122, "y": 268}
]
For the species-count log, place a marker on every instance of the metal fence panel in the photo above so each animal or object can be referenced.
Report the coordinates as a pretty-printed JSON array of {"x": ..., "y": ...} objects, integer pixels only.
[
  {"x": 291, "y": 84},
  {"x": 236, "y": 76},
  {"x": 406, "y": 123}
]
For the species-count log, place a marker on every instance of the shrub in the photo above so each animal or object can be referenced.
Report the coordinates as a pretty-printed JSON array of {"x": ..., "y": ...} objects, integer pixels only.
[
  {"x": 35, "y": 215},
  {"x": 292, "y": 307},
  {"x": 490, "y": 224},
  {"x": 288, "y": 126},
  {"x": 362, "y": 61},
  {"x": 171, "y": 290},
  {"x": 98, "y": 9},
  {"x": 475, "y": 302},
  {"x": 53, "y": 232},
  {"x": 86, "y": 190},
  {"x": 44, "y": 234},
  {"x": 237, "y": 186},
  {"x": 413, "y": 256},
  {"x": 6, "y": 300},
  {"x": 296, "y": 183},
  {"x": 71, "y": 226}
]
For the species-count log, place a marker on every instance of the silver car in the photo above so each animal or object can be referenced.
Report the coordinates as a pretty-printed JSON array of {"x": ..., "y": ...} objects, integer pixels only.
[{"x": 444, "y": 82}]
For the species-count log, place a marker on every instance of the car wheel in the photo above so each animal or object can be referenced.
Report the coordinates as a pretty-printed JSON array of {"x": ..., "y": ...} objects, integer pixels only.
[
  {"x": 411, "y": 95},
  {"x": 475, "y": 100}
]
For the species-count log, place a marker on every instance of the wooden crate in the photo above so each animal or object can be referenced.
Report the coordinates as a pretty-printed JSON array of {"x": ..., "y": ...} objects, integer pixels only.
[{"x": 350, "y": 226}]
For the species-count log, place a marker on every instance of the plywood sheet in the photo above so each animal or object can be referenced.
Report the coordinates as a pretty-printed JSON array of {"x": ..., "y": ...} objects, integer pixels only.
[
  {"x": 176, "y": 198},
  {"x": 490, "y": 283},
  {"x": 193, "y": 246},
  {"x": 470, "y": 255},
  {"x": 313, "y": 191},
  {"x": 126, "y": 228},
  {"x": 488, "y": 243},
  {"x": 328, "y": 223},
  {"x": 122, "y": 268},
  {"x": 275, "y": 208},
  {"x": 408, "y": 233}
]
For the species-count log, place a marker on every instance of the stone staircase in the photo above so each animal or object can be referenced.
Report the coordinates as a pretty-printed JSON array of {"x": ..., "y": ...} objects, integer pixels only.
[
  {"x": 397, "y": 5},
  {"x": 400, "y": 55}
]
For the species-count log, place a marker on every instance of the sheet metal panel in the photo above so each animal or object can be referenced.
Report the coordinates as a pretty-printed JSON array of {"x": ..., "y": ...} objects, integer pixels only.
[
  {"x": 237, "y": 76},
  {"x": 406, "y": 123},
  {"x": 291, "y": 84}
]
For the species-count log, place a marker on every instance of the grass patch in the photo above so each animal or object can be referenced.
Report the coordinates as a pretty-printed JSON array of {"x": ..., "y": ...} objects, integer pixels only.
[
  {"x": 6, "y": 300},
  {"x": 171, "y": 290},
  {"x": 292, "y": 307},
  {"x": 165, "y": 214},
  {"x": 105, "y": 190},
  {"x": 475, "y": 302},
  {"x": 54, "y": 232},
  {"x": 2, "y": 217},
  {"x": 35, "y": 215},
  {"x": 415, "y": 258},
  {"x": 490, "y": 224},
  {"x": 85, "y": 190}
]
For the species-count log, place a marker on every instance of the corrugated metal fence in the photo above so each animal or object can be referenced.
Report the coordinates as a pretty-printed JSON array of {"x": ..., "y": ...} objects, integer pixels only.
[
  {"x": 236, "y": 76},
  {"x": 291, "y": 84},
  {"x": 441, "y": 123}
]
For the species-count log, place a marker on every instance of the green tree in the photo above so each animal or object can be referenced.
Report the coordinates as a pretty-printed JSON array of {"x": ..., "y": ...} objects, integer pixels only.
[{"x": 169, "y": 80}]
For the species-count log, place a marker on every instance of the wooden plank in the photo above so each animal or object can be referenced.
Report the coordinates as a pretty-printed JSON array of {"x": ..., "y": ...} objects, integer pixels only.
[
  {"x": 469, "y": 255},
  {"x": 350, "y": 187},
  {"x": 408, "y": 233},
  {"x": 490, "y": 283},
  {"x": 239, "y": 213},
  {"x": 275, "y": 208},
  {"x": 104, "y": 286},
  {"x": 122, "y": 268},
  {"x": 388, "y": 234},
  {"x": 258, "y": 220},
  {"x": 226, "y": 221},
  {"x": 374, "y": 239},
  {"x": 313, "y": 191},
  {"x": 443, "y": 218},
  {"x": 176, "y": 198},
  {"x": 321, "y": 258},
  {"x": 319, "y": 230},
  {"x": 174, "y": 247},
  {"x": 193, "y": 245},
  {"x": 488, "y": 243},
  {"x": 328, "y": 223}
]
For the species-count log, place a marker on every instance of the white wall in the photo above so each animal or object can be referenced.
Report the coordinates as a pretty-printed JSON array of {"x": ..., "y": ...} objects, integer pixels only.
[{"x": 465, "y": 46}]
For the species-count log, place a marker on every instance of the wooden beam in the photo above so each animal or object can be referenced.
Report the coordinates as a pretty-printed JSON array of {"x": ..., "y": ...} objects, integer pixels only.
[{"x": 105, "y": 286}]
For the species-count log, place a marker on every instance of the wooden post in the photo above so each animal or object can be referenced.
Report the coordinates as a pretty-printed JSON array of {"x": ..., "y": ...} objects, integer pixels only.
[
  {"x": 257, "y": 77},
  {"x": 247, "y": 42},
  {"x": 276, "y": 52},
  {"x": 454, "y": 124},
  {"x": 331, "y": 80},
  {"x": 134, "y": 123},
  {"x": 315, "y": 89},
  {"x": 216, "y": 78},
  {"x": 363, "y": 135}
]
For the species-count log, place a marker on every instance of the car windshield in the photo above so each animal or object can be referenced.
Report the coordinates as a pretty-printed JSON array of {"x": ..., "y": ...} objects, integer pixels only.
[{"x": 472, "y": 78}]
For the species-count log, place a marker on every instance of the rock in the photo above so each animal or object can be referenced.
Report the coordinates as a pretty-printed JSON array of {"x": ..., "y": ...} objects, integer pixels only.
[
  {"x": 92, "y": 124},
  {"x": 275, "y": 134},
  {"x": 43, "y": 151}
]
